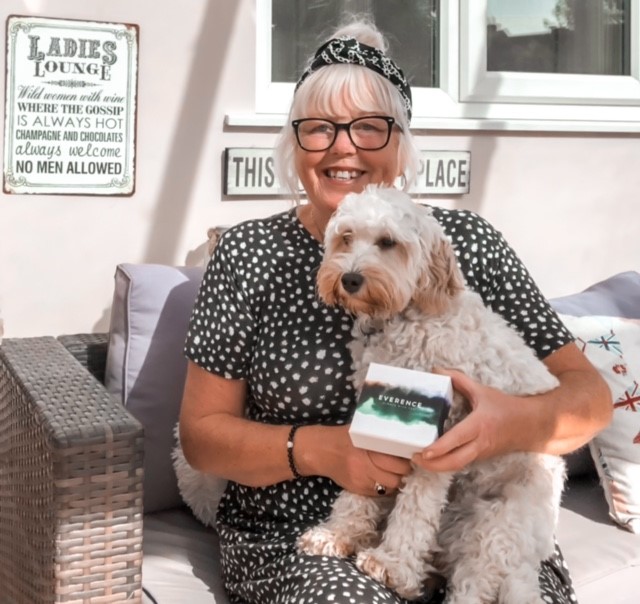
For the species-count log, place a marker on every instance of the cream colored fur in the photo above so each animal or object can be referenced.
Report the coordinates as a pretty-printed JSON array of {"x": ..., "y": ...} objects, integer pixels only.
[{"x": 413, "y": 310}]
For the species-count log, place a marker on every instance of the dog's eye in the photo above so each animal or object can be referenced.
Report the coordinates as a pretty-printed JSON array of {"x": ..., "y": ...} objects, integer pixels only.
[
  {"x": 347, "y": 238},
  {"x": 386, "y": 243}
]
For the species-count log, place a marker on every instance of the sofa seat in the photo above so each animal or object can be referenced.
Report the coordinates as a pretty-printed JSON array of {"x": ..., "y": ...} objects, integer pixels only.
[
  {"x": 181, "y": 557},
  {"x": 604, "y": 559},
  {"x": 181, "y": 560}
]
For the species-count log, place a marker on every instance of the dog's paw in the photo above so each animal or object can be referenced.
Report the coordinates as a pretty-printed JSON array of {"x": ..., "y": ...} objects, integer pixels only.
[
  {"x": 392, "y": 571},
  {"x": 321, "y": 541}
]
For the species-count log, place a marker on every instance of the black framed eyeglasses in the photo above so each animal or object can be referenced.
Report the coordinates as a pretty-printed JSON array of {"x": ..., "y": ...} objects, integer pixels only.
[{"x": 368, "y": 133}]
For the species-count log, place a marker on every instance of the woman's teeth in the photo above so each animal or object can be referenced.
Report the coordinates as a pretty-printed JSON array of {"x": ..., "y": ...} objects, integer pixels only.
[{"x": 344, "y": 174}]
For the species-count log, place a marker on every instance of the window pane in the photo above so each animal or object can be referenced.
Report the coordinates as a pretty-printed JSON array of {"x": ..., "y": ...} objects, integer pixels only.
[
  {"x": 559, "y": 36},
  {"x": 411, "y": 27}
]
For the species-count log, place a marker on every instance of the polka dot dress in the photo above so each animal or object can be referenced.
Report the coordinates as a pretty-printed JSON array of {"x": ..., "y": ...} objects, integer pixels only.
[{"x": 257, "y": 318}]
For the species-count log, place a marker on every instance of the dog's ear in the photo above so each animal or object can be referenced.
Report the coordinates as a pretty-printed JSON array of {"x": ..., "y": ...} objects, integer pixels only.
[{"x": 440, "y": 280}]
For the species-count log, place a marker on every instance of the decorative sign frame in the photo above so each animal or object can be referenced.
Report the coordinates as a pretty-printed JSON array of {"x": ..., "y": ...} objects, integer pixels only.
[
  {"x": 249, "y": 171},
  {"x": 70, "y": 107}
]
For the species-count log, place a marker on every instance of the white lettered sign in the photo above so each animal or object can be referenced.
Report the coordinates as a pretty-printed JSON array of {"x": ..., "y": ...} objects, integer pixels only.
[
  {"x": 250, "y": 171},
  {"x": 443, "y": 173},
  {"x": 70, "y": 107}
]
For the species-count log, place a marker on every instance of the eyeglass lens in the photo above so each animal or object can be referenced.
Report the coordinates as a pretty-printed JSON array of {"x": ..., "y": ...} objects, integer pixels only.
[{"x": 369, "y": 133}]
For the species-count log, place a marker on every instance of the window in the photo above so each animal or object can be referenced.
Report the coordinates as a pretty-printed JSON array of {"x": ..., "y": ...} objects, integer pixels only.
[
  {"x": 300, "y": 27},
  {"x": 570, "y": 36},
  {"x": 550, "y": 51},
  {"x": 475, "y": 64}
]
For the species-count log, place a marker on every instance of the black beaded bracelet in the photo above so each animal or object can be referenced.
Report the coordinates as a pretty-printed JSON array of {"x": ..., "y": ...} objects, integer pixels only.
[{"x": 292, "y": 463}]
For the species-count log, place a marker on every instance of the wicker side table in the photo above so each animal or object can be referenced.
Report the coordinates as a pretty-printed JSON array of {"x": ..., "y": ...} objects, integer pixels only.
[{"x": 70, "y": 481}]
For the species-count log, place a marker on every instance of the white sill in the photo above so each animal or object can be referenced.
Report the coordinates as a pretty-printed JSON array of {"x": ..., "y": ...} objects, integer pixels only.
[{"x": 277, "y": 120}]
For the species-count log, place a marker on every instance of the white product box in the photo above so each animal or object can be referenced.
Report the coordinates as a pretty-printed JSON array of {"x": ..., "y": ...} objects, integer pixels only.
[{"x": 400, "y": 411}]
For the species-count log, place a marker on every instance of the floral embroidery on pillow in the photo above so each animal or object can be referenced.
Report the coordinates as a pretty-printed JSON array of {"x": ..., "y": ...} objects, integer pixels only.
[{"x": 612, "y": 344}]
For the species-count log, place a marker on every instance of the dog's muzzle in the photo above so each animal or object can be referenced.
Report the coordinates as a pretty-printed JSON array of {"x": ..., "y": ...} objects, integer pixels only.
[{"x": 352, "y": 282}]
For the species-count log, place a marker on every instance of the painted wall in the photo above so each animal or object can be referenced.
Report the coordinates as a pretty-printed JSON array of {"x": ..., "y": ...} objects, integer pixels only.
[{"x": 568, "y": 204}]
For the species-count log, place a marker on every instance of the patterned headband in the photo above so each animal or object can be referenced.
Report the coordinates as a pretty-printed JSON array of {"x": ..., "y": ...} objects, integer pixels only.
[{"x": 349, "y": 50}]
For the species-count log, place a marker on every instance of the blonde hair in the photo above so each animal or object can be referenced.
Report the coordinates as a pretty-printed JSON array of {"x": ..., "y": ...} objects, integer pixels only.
[{"x": 331, "y": 89}]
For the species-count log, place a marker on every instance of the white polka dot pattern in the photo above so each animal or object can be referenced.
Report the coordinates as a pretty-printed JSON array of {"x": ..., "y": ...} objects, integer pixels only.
[
  {"x": 257, "y": 318},
  {"x": 493, "y": 269}
]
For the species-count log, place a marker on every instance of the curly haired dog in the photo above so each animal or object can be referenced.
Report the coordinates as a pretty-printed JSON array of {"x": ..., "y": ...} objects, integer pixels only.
[{"x": 388, "y": 262}]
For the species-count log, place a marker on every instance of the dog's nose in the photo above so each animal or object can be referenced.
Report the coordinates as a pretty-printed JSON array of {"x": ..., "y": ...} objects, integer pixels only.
[{"x": 352, "y": 282}]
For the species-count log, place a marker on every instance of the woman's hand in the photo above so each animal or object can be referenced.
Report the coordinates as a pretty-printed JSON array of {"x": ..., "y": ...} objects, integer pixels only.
[
  {"x": 556, "y": 422},
  {"x": 328, "y": 451},
  {"x": 218, "y": 439},
  {"x": 497, "y": 424}
]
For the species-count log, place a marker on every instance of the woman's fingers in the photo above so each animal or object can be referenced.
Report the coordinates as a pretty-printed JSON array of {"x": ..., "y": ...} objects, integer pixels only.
[{"x": 390, "y": 463}]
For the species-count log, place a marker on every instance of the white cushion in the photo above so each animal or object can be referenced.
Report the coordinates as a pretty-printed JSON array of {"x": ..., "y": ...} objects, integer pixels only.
[
  {"x": 612, "y": 344},
  {"x": 616, "y": 296}
]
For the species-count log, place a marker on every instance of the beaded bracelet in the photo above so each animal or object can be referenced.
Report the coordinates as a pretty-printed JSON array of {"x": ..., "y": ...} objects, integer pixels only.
[{"x": 292, "y": 463}]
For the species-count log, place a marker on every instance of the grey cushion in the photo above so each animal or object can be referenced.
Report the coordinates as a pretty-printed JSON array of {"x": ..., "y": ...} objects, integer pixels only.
[
  {"x": 617, "y": 296},
  {"x": 145, "y": 365}
]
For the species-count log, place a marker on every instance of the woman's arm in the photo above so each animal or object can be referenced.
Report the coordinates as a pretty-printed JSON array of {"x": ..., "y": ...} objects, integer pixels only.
[
  {"x": 556, "y": 422},
  {"x": 218, "y": 439}
]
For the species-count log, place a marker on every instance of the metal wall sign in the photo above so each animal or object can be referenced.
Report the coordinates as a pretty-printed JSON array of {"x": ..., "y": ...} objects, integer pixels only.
[
  {"x": 70, "y": 107},
  {"x": 250, "y": 171},
  {"x": 444, "y": 173}
]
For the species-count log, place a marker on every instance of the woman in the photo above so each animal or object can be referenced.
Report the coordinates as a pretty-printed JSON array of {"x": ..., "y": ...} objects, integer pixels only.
[{"x": 268, "y": 399}]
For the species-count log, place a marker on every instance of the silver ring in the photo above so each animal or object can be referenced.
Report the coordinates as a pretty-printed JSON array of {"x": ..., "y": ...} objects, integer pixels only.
[{"x": 380, "y": 489}]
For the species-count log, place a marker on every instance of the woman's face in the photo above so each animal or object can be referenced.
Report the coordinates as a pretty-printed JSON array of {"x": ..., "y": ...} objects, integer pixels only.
[{"x": 327, "y": 176}]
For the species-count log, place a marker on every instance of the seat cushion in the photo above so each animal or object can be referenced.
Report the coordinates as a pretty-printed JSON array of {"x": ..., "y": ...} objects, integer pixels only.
[
  {"x": 181, "y": 557},
  {"x": 602, "y": 558},
  {"x": 181, "y": 560}
]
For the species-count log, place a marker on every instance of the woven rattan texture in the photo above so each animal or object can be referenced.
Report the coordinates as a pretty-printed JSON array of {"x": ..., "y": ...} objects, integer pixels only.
[
  {"x": 70, "y": 482},
  {"x": 90, "y": 349}
]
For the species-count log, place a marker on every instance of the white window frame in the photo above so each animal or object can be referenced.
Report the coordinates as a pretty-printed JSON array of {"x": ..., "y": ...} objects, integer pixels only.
[
  {"x": 479, "y": 85},
  {"x": 271, "y": 97},
  {"x": 470, "y": 97}
]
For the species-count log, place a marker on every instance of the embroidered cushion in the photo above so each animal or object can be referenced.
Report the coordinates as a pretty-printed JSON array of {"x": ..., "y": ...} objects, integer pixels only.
[{"x": 612, "y": 344}]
